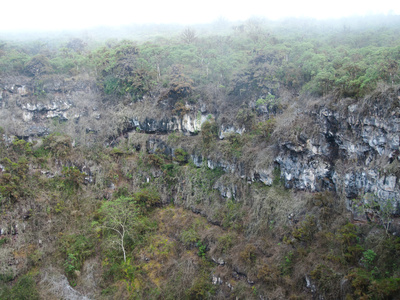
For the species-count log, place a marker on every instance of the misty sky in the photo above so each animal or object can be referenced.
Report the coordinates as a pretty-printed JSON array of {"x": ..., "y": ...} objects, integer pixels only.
[{"x": 75, "y": 14}]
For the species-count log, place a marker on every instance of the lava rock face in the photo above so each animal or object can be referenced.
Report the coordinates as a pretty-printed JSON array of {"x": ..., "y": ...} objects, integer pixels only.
[
  {"x": 351, "y": 146},
  {"x": 353, "y": 151}
]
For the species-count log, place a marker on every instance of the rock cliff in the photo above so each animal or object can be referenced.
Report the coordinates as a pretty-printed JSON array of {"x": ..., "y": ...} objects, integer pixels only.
[{"x": 342, "y": 145}]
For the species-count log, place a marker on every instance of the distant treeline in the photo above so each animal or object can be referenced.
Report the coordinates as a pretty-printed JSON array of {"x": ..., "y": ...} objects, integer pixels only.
[{"x": 253, "y": 58}]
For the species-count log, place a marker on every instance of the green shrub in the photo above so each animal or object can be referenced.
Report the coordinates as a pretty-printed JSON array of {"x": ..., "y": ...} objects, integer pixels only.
[
  {"x": 386, "y": 288},
  {"x": 75, "y": 248},
  {"x": 22, "y": 147},
  {"x": 246, "y": 117},
  {"x": 41, "y": 152},
  {"x": 171, "y": 172},
  {"x": 24, "y": 289},
  {"x": 181, "y": 156},
  {"x": 155, "y": 160},
  {"x": 268, "y": 273},
  {"x": 38, "y": 65},
  {"x": 232, "y": 215},
  {"x": 70, "y": 264},
  {"x": 226, "y": 241},
  {"x": 202, "y": 249},
  {"x": 13, "y": 179},
  {"x": 73, "y": 178},
  {"x": 287, "y": 264},
  {"x": 368, "y": 258},
  {"x": 234, "y": 146},
  {"x": 209, "y": 132},
  {"x": 3, "y": 241},
  {"x": 249, "y": 254},
  {"x": 269, "y": 99},
  {"x": 7, "y": 275},
  {"x": 202, "y": 288},
  {"x": 265, "y": 128},
  {"x": 147, "y": 197},
  {"x": 190, "y": 237},
  {"x": 306, "y": 230},
  {"x": 327, "y": 280},
  {"x": 58, "y": 144},
  {"x": 36, "y": 257},
  {"x": 349, "y": 240}
]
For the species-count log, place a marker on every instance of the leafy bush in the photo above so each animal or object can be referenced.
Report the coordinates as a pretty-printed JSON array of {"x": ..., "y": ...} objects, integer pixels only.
[
  {"x": 269, "y": 274},
  {"x": 368, "y": 258},
  {"x": 190, "y": 237},
  {"x": 306, "y": 230},
  {"x": 21, "y": 147},
  {"x": 349, "y": 240},
  {"x": 181, "y": 156},
  {"x": 202, "y": 249},
  {"x": 119, "y": 218},
  {"x": 287, "y": 263},
  {"x": 209, "y": 132},
  {"x": 180, "y": 85},
  {"x": 73, "y": 178},
  {"x": 147, "y": 197},
  {"x": 232, "y": 215},
  {"x": 269, "y": 99},
  {"x": 327, "y": 280},
  {"x": 246, "y": 117},
  {"x": 202, "y": 288},
  {"x": 234, "y": 145},
  {"x": 24, "y": 289},
  {"x": 266, "y": 128},
  {"x": 249, "y": 254},
  {"x": 13, "y": 179},
  {"x": 226, "y": 241},
  {"x": 38, "y": 65},
  {"x": 378, "y": 210},
  {"x": 75, "y": 248},
  {"x": 155, "y": 160},
  {"x": 59, "y": 145}
]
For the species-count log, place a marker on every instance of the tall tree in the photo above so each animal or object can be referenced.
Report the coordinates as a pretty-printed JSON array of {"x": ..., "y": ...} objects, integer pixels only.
[{"x": 119, "y": 218}]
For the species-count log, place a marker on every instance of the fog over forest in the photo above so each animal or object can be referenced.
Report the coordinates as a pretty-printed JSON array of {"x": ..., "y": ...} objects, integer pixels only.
[{"x": 44, "y": 15}]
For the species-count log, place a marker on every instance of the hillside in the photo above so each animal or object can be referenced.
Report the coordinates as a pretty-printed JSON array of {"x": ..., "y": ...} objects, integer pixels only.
[{"x": 257, "y": 160}]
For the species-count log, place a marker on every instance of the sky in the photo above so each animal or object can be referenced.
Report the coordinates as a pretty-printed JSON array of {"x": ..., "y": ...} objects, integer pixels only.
[{"x": 34, "y": 15}]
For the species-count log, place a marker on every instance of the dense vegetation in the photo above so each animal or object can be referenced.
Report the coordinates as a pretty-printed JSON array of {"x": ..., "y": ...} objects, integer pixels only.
[
  {"x": 140, "y": 224},
  {"x": 252, "y": 58}
]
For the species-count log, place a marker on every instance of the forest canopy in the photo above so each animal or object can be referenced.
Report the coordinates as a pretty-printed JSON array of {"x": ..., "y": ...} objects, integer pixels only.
[{"x": 257, "y": 57}]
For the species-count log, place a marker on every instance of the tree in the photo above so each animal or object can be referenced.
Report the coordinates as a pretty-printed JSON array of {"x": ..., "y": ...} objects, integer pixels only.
[
  {"x": 377, "y": 209},
  {"x": 73, "y": 178},
  {"x": 180, "y": 85},
  {"x": 209, "y": 132},
  {"x": 188, "y": 36},
  {"x": 38, "y": 65},
  {"x": 119, "y": 217},
  {"x": 76, "y": 45},
  {"x": 13, "y": 178}
]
